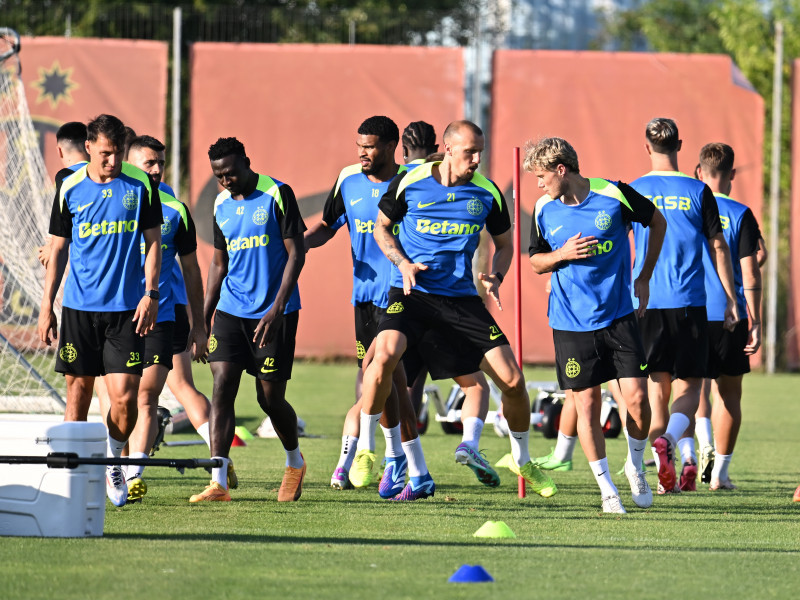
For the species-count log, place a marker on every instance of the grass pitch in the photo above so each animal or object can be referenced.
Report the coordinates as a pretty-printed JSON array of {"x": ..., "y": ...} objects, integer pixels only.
[{"x": 331, "y": 544}]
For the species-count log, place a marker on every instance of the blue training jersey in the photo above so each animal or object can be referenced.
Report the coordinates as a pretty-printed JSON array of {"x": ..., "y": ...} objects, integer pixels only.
[
  {"x": 690, "y": 210},
  {"x": 440, "y": 227},
  {"x": 354, "y": 201},
  {"x": 590, "y": 293},
  {"x": 251, "y": 231},
  {"x": 178, "y": 238},
  {"x": 741, "y": 231},
  {"x": 178, "y": 285},
  {"x": 104, "y": 222}
]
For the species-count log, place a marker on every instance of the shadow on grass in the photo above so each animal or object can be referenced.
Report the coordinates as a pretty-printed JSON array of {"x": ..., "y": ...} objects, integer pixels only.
[{"x": 241, "y": 538}]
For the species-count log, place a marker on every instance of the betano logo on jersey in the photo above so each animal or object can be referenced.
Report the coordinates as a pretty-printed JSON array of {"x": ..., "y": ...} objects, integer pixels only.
[
  {"x": 602, "y": 248},
  {"x": 247, "y": 242},
  {"x": 671, "y": 202},
  {"x": 447, "y": 227},
  {"x": 369, "y": 226},
  {"x": 107, "y": 228}
]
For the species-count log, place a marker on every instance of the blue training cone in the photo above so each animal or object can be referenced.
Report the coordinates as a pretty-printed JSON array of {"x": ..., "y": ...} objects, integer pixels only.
[{"x": 470, "y": 574}]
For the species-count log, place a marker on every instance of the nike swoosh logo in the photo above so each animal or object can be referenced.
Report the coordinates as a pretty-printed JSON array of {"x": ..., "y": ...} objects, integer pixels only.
[
  {"x": 223, "y": 223},
  {"x": 553, "y": 231},
  {"x": 133, "y": 363},
  {"x": 263, "y": 370},
  {"x": 603, "y": 473},
  {"x": 494, "y": 336},
  {"x": 421, "y": 205},
  {"x": 80, "y": 208},
  {"x": 354, "y": 202},
  {"x": 643, "y": 367}
]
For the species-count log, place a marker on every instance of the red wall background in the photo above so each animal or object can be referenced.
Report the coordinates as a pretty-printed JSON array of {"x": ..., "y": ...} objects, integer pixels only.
[
  {"x": 600, "y": 103},
  {"x": 296, "y": 108}
]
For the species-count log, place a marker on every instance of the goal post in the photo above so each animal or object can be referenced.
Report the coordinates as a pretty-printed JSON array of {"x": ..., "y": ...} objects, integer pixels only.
[{"x": 27, "y": 380}]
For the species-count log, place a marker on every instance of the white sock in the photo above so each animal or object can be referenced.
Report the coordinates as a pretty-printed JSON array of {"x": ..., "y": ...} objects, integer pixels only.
[
  {"x": 369, "y": 423},
  {"x": 416, "y": 458},
  {"x": 394, "y": 447},
  {"x": 114, "y": 447},
  {"x": 601, "y": 474},
  {"x": 220, "y": 474},
  {"x": 203, "y": 433},
  {"x": 348, "y": 452},
  {"x": 678, "y": 422},
  {"x": 473, "y": 427},
  {"x": 636, "y": 451},
  {"x": 702, "y": 429},
  {"x": 720, "y": 470},
  {"x": 134, "y": 471},
  {"x": 519, "y": 447},
  {"x": 565, "y": 446},
  {"x": 293, "y": 458},
  {"x": 686, "y": 448}
]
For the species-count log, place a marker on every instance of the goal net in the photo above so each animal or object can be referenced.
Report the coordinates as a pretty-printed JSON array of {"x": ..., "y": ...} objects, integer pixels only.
[{"x": 27, "y": 380}]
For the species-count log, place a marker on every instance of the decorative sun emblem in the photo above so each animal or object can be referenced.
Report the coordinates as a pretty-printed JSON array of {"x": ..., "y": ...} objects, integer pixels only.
[
  {"x": 572, "y": 369},
  {"x": 360, "y": 351},
  {"x": 603, "y": 220},
  {"x": 54, "y": 85},
  {"x": 474, "y": 207},
  {"x": 260, "y": 216},
  {"x": 212, "y": 343},
  {"x": 166, "y": 227},
  {"x": 68, "y": 353}
]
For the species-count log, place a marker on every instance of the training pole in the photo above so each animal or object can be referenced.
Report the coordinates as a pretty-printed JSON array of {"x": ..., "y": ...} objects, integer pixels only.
[{"x": 517, "y": 284}]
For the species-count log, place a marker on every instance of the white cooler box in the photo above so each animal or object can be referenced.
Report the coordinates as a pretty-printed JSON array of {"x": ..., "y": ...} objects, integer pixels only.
[{"x": 39, "y": 501}]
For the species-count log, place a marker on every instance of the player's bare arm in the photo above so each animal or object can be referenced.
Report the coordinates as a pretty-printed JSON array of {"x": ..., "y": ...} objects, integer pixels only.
[
  {"x": 59, "y": 253},
  {"x": 265, "y": 331},
  {"x": 216, "y": 273},
  {"x": 575, "y": 248},
  {"x": 641, "y": 286},
  {"x": 147, "y": 310},
  {"x": 751, "y": 281},
  {"x": 318, "y": 235},
  {"x": 390, "y": 246},
  {"x": 501, "y": 262},
  {"x": 721, "y": 256},
  {"x": 198, "y": 335}
]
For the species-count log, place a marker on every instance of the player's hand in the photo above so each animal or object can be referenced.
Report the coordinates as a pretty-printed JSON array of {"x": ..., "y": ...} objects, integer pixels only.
[
  {"x": 492, "y": 286},
  {"x": 731, "y": 315},
  {"x": 641, "y": 289},
  {"x": 753, "y": 339},
  {"x": 145, "y": 315},
  {"x": 198, "y": 344},
  {"x": 409, "y": 272},
  {"x": 43, "y": 253},
  {"x": 266, "y": 328},
  {"x": 48, "y": 324},
  {"x": 577, "y": 247}
]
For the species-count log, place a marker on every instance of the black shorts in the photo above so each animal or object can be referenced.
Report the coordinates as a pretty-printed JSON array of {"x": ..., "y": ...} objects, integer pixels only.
[
  {"x": 96, "y": 343},
  {"x": 676, "y": 340},
  {"x": 367, "y": 317},
  {"x": 180, "y": 336},
  {"x": 461, "y": 325},
  {"x": 588, "y": 358},
  {"x": 158, "y": 345},
  {"x": 726, "y": 349},
  {"x": 231, "y": 340},
  {"x": 442, "y": 359}
]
